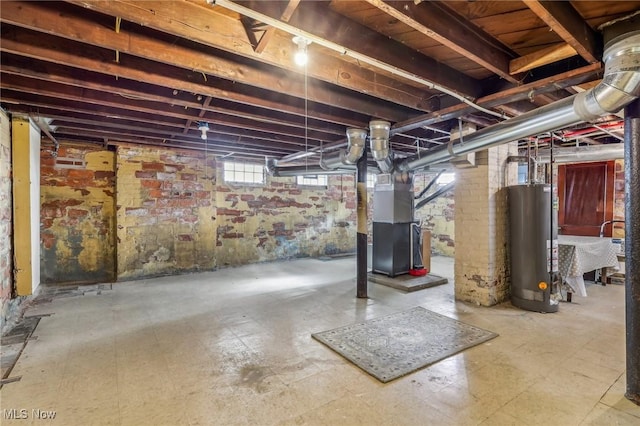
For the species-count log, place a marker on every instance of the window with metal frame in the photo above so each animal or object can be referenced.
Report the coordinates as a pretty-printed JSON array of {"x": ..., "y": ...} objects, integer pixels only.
[
  {"x": 238, "y": 172},
  {"x": 312, "y": 180}
]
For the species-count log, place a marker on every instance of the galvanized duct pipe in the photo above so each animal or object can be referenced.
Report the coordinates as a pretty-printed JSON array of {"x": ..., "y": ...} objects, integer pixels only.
[
  {"x": 356, "y": 144},
  {"x": 379, "y": 144},
  {"x": 582, "y": 154},
  {"x": 311, "y": 170},
  {"x": 620, "y": 86}
]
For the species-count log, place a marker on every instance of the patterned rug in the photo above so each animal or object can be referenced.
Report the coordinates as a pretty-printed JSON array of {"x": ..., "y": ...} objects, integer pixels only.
[{"x": 398, "y": 344}]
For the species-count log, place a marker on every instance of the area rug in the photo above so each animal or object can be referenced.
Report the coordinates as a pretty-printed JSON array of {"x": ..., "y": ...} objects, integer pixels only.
[{"x": 398, "y": 344}]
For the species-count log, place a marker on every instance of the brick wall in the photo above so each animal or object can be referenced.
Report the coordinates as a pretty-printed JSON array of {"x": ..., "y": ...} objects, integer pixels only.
[
  {"x": 159, "y": 212},
  {"x": 173, "y": 215},
  {"x": 618, "y": 199},
  {"x": 6, "y": 253},
  {"x": 482, "y": 257},
  {"x": 165, "y": 212},
  {"x": 77, "y": 215},
  {"x": 282, "y": 220},
  {"x": 437, "y": 216}
]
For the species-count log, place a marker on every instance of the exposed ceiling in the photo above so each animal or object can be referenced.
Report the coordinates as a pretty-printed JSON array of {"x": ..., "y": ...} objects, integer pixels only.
[{"x": 149, "y": 72}]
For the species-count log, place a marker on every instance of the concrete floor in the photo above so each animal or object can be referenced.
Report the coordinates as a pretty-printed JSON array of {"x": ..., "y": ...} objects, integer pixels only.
[{"x": 234, "y": 347}]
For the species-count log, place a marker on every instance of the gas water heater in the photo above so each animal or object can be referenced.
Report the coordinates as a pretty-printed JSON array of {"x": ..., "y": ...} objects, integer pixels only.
[{"x": 535, "y": 282}]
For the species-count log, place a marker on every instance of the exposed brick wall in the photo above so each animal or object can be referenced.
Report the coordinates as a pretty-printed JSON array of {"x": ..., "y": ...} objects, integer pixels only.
[
  {"x": 482, "y": 257},
  {"x": 437, "y": 216},
  {"x": 165, "y": 212},
  {"x": 618, "y": 199},
  {"x": 77, "y": 216},
  {"x": 283, "y": 220},
  {"x": 171, "y": 214},
  {"x": 6, "y": 253}
]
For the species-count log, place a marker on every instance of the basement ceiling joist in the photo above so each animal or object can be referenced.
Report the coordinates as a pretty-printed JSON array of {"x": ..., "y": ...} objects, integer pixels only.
[{"x": 148, "y": 72}]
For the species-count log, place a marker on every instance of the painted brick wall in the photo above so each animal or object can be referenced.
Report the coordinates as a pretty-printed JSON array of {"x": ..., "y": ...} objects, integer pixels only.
[
  {"x": 77, "y": 215},
  {"x": 618, "y": 199},
  {"x": 166, "y": 220},
  {"x": 437, "y": 216},
  {"x": 6, "y": 254},
  {"x": 482, "y": 257},
  {"x": 171, "y": 214},
  {"x": 282, "y": 220}
]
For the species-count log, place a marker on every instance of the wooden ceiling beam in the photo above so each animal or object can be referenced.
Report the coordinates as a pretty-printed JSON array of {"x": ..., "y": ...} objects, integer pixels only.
[
  {"x": 222, "y": 32},
  {"x": 525, "y": 91},
  {"x": 31, "y": 44},
  {"x": 565, "y": 21},
  {"x": 444, "y": 26},
  {"x": 44, "y": 105},
  {"x": 23, "y": 84},
  {"x": 541, "y": 57},
  {"x": 212, "y": 136},
  {"x": 39, "y": 17},
  {"x": 57, "y": 74},
  {"x": 269, "y": 31},
  {"x": 220, "y": 146},
  {"x": 317, "y": 19}
]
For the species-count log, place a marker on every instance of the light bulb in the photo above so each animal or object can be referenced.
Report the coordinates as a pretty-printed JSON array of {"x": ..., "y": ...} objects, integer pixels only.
[
  {"x": 204, "y": 128},
  {"x": 301, "y": 57}
]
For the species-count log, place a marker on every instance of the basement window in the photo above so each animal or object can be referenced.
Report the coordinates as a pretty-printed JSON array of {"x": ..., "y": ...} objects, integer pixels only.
[
  {"x": 243, "y": 172},
  {"x": 312, "y": 180}
]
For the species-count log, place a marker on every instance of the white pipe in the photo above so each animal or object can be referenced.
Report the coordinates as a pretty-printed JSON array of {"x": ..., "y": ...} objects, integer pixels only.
[{"x": 243, "y": 10}]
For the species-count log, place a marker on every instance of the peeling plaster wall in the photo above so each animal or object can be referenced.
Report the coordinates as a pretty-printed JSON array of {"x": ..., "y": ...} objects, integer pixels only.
[
  {"x": 166, "y": 221},
  {"x": 282, "y": 220},
  {"x": 77, "y": 215},
  {"x": 159, "y": 212},
  {"x": 437, "y": 216},
  {"x": 6, "y": 237}
]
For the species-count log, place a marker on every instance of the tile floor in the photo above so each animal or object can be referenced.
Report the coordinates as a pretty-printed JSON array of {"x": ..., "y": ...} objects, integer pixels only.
[{"x": 234, "y": 347}]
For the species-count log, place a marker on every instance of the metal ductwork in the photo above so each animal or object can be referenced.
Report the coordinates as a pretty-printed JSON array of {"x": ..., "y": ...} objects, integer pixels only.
[
  {"x": 311, "y": 170},
  {"x": 619, "y": 87},
  {"x": 379, "y": 144},
  {"x": 356, "y": 144},
  {"x": 273, "y": 170},
  {"x": 582, "y": 154}
]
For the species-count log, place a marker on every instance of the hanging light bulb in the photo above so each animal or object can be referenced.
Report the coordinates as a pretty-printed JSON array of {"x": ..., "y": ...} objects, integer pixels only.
[
  {"x": 204, "y": 128},
  {"x": 301, "y": 56}
]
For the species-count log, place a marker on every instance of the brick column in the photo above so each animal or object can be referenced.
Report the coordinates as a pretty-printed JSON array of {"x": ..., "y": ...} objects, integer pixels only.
[{"x": 481, "y": 227}]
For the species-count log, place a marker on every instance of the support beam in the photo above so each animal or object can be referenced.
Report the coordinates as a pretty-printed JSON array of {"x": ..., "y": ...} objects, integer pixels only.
[
  {"x": 565, "y": 21},
  {"x": 368, "y": 46},
  {"x": 445, "y": 27},
  {"x": 269, "y": 31},
  {"x": 362, "y": 227},
  {"x": 144, "y": 64},
  {"x": 541, "y": 57},
  {"x": 210, "y": 28},
  {"x": 632, "y": 247},
  {"x": 25, "y": 143},
  {"x": 525, "y": 91}
]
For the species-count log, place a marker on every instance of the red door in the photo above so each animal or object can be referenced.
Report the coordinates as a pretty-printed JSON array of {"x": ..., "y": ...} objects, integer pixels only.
[{"x": 585, "y": 193}]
